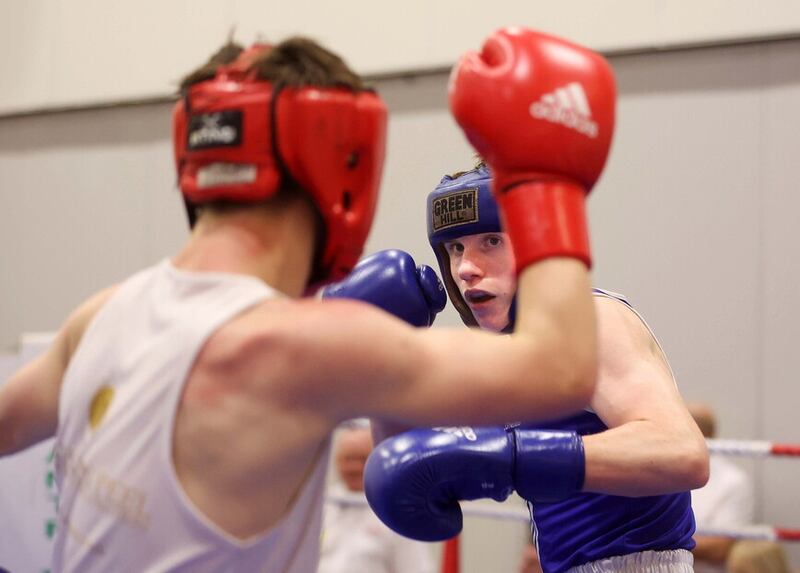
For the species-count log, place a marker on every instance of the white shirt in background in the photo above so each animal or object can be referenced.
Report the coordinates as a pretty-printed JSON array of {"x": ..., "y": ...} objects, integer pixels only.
[
  {"x": 355, "y": 541},
  {"x": 725, "y": 501}
]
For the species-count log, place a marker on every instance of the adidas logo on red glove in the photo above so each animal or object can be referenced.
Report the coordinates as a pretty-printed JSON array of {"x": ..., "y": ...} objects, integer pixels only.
[{"x": 567, "y": 106}]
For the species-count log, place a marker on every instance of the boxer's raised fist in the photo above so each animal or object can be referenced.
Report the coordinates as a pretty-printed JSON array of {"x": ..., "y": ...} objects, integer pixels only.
[{"x": 540, "y": 110}]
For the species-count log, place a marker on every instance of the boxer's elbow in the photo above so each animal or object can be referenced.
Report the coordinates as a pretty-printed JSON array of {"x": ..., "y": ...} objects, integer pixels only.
[
  {"x": 696, "y": 464},
  {"x": 687, "y": 464}
]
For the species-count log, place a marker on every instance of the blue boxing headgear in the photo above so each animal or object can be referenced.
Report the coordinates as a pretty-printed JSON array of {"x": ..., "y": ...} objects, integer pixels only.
[{"x": 461, "y": 205}]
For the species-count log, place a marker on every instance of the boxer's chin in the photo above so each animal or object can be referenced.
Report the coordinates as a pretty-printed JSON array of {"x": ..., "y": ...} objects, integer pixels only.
[{"x": 490, "y": 315}]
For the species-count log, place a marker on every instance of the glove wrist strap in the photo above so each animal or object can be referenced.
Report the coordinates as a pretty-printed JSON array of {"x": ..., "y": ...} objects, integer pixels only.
[
  {"x": 545, "y": 219},
  {"x": 549, "y": 465}
]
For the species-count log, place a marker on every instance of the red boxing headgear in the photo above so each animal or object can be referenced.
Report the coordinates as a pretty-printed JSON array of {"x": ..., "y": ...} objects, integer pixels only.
[{"x": 238, "y": 138}]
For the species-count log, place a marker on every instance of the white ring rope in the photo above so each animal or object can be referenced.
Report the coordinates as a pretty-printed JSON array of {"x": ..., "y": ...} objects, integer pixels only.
[
  {"x": 752, "y": 448},
  {"x": 744, "y": 448},
  {"x": 473, "y": 509}
]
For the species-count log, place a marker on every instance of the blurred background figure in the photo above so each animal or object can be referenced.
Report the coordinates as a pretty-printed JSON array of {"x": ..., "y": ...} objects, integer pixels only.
[
  {"x": 353, "y": 538},
  {"x": 749, "y": 556},
  {"x": 530, "y": 559},
  {"x": 726, "y": 501}
]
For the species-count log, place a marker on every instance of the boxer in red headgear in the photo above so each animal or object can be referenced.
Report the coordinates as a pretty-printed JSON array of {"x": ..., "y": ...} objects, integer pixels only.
[{"x": 192, "y": 404}]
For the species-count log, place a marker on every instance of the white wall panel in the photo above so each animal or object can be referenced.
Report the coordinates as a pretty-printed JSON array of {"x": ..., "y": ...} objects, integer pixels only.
[
  {"x": 709, "y": 21},
  {"x": 27, "y": 42},
  {"x": 121, "y": 50},
  {"x": 67, "y": 53}
]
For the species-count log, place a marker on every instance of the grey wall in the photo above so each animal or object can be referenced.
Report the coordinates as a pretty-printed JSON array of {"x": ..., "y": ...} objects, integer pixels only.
[{"x": 694, "y": 219}]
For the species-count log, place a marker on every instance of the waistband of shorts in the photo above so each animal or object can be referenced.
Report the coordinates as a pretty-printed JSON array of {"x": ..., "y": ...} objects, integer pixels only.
[{"x": 672, "y": 561}]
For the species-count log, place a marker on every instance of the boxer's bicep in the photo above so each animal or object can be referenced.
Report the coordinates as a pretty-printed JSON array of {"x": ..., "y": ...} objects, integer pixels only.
[
  {"x": 358, "y": 361},
  {"x": 652, "y": 446},
  {"x": 444, "y": 376},
  {"x": 634, "y": 379}
]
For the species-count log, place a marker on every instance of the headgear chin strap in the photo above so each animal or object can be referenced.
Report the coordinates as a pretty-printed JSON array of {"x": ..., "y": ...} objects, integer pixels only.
[
  {"x": 460, "y": 206},
  {"x": 238, "y": 138}
]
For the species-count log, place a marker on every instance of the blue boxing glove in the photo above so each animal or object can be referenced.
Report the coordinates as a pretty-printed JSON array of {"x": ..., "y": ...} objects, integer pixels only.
[
  {"x": 414, "y": 481},
  {"x": 390, "y": 280}
]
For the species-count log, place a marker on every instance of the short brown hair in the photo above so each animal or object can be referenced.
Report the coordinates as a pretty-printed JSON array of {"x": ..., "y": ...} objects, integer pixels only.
[
  {"x": 294, "y": 62},
  {"x": 479, "y": 162}
]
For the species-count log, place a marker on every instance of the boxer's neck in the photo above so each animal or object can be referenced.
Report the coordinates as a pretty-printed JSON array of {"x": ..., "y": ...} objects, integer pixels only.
[{"x": 274, "y": 245}]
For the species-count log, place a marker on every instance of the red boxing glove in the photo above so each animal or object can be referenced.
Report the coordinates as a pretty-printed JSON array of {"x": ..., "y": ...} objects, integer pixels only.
[{"x": 540, "y": 110}]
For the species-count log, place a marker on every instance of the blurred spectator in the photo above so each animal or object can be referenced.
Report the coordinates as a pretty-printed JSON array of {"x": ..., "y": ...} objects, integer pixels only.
[
  {"x": 353, "y": 538},
  {"x": 749, "y": 556},
  {"x": 726, "y": 501},
  {"x": 530, "y": 560}
]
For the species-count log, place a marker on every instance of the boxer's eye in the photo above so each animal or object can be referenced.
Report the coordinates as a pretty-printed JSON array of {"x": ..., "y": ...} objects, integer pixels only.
[
  {"x": 494, "y": 240},
  {"x": 454, "y": 248}
]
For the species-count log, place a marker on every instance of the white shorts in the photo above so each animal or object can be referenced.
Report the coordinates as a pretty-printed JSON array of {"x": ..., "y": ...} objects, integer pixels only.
[{"x": 673, "y": 561}]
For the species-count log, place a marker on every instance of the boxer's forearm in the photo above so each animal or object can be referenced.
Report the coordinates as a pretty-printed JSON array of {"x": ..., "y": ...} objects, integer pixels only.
[
  {"x": 555, "y": 310},
  {"x": 28, "y": 405},
  {"x": 642, "y": 459}
]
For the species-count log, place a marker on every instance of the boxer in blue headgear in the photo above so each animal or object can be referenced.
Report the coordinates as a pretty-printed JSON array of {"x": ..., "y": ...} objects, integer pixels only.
[
  {"x": 462, "y": 215},
  {"x": 607, "y": 487}
]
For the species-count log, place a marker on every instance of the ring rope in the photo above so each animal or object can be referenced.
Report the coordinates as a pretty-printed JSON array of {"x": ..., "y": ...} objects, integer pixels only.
[
  {"x": 752, "y": 448},
  {"x": 473, "y": 509}
]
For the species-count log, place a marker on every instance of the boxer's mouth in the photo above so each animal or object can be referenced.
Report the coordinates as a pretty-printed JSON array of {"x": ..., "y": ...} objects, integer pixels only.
[{"x": 477, "y": 296}]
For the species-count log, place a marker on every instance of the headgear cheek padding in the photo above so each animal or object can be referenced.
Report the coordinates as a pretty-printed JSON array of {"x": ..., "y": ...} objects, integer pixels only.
[
  {"x": 332, "y": 142},
  {"x": 238, "y": 138}
]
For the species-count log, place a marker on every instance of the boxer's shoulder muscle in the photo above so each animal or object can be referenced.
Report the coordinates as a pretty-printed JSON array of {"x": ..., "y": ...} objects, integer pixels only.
[
  {"x": 51, "y": 366},
  {"x": 79, "y": 320},
  {"x": 622, "y": 334}
]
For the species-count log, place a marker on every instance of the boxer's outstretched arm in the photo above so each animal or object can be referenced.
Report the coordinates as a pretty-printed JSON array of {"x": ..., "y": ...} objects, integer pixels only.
[
  {"x": 29, "y": 399},
  {"x": 356, "y": 361},
  {"x": 653, "y": 447},
  {"x": 548, "y": 364},
  {"x": 390, "y": 280}
]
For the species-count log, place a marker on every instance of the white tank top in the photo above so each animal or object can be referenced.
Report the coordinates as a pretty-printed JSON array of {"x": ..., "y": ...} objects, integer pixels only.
[{"x": 121, "y": 506}]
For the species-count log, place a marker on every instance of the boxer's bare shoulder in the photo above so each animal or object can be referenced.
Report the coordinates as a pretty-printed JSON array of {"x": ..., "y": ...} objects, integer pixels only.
[{"x": 77, "y": 323}]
